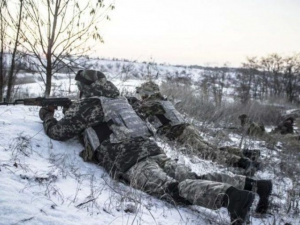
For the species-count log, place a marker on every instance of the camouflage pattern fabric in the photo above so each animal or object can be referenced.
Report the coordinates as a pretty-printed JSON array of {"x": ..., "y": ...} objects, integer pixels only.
[
  {"x": 79, "y": 116},
  {"x": 92, "y": 75},
  {"x": 171, "y": 114},
  {"x": 98, "y": 84},
  {"x": 237, "y": 181},
  {"x": 184, "y": 133},
  {"x": 285, "y": 127},
  {"x": 187, "y": 135},
  {"x": 147, "y": 89},
  {"x": 124, "y": 122},
  {"x": 191, "y": 139},
  {"x": 99, "y": 88},
  {"x": 117, "y": 158},
  {"x": 255, "y": 129},
  {"x": 204, "y": 193},
  {"x": 251, "y": 128},
  {"x": 172, "y": 132},
  {"x": 149, "y": 177},
  {"x": 88, "y": 154},
  {"x": 138, "y": 160},
  {"x": 156, "y": 173},
  {"x": 148, "y": 108}
]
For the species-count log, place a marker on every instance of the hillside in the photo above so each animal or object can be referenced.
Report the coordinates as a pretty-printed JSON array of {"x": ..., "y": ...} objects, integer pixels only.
[{"x": 46, "y": 182}]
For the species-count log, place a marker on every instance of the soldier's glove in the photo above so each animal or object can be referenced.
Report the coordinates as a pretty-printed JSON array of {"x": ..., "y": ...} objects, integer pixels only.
[{"x": 47, "y": 112}]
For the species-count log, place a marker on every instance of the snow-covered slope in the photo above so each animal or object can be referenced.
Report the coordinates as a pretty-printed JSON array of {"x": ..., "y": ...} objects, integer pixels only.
[{"x": 43, "y": 181}]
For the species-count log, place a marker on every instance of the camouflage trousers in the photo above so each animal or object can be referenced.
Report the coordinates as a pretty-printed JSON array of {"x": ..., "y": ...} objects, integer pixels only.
[
  {"x": 154, "y": 174},
  {"x": 192, "y": 140}
]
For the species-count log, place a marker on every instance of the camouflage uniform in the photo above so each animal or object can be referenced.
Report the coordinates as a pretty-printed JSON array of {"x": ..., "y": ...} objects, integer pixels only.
[
  {"x": 251, "y": 128},
  {"x": 154, "y": 174},
  {"x": 285, "y": 127},
  {"x": 151, "y": 109},
  {"x": 137, "y": 160}
]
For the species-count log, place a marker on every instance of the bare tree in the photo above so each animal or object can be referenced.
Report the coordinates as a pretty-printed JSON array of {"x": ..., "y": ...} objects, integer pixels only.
[
  {"x": 249, "y": 81},
  {"x": 56, "y": 29},
  {"x": 16, "y": 26},
  {"x": 253, "y": 76},
  {"x": 273, "y": 65},
  {"x": 270, "y": 76},
  {"x": 291, "y": 77},
  {"x": 243, "y": 87},
  {"x": 215, "y": 81},
  {"x": 3, "y": 31}
]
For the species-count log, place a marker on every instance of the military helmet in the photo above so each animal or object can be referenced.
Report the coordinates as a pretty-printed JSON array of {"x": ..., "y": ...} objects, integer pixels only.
[
  {"x": 291, "y": 119},
  {"x": 89, "y": 76},
  {"x": 94, "y": 83},
  {"x": 147, "y": 89}
]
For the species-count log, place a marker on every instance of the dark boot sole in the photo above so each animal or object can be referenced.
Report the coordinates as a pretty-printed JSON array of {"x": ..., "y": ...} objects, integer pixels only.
[{"x": 244, "y": 210}]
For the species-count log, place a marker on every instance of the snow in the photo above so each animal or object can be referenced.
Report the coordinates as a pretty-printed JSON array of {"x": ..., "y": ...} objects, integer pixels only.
[{"x": 43, "y": 181}]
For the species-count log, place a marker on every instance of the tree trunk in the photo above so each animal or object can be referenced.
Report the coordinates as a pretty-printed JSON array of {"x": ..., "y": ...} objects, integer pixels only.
[
  {"x": 10, "y": 79},
  {"x": 48, "y": 77},
  {"x": 12, "y": 66},
  {"x": 1, "y": 74}
]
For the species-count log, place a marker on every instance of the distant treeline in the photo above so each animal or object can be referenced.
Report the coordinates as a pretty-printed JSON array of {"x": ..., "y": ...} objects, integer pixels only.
[{"x": 262, "y": 78}]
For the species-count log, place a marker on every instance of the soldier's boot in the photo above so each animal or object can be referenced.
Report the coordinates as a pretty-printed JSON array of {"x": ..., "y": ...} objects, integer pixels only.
[
  {"x": 238, "y": 203},
  {"x": 252, "y": 154},
  {"x": 264, "y": 189}
]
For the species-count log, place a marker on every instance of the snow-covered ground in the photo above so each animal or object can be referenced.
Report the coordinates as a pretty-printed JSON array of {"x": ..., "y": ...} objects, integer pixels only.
[{"x": 43, "y": 181}]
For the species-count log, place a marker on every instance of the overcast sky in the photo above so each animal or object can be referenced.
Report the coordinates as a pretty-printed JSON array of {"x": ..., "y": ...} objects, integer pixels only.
[{"x": 202, "y": 32}]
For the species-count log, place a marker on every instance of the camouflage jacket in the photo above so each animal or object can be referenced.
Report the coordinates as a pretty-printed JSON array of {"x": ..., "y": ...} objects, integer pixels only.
[
  {"x": 112, "y": 156},
  {"x": 285, "y": 127},
  {"x": 151, "y": 107}
]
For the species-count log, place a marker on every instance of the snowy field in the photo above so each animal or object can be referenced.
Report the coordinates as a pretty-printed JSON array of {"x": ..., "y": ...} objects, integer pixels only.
[{"x": 43, "y": 181}]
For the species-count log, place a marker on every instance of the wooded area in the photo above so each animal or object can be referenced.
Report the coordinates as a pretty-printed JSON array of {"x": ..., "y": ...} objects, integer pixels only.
[{"x": 49, "y": 32}]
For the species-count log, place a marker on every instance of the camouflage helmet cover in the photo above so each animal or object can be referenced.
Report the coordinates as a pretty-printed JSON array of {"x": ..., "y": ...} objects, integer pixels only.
[
  {"x": 94, "y": 83},
  {"x": 148, "y": 88}
]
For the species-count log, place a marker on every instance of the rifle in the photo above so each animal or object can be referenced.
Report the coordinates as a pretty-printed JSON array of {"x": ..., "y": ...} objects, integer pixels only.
[{"x": 41, "y": 101}]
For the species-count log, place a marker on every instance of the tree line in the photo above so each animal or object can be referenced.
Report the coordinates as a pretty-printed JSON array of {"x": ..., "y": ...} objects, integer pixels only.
[
  {"x": 268, "y": 77},
  {"x": 272, "y": 76},
  {"x": 52, "y": 32}
]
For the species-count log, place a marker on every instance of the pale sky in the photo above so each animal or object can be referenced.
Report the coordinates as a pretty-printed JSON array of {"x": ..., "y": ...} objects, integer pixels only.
[{"x": 202, "y": 32}]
